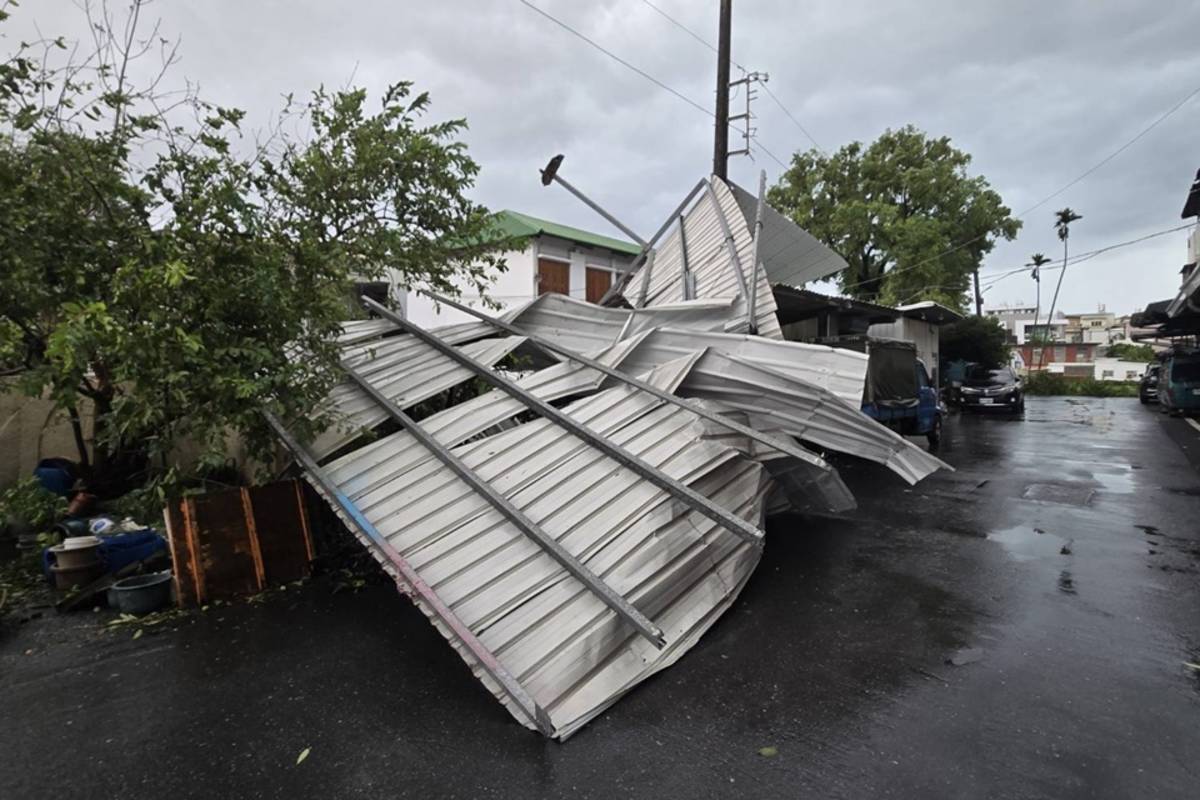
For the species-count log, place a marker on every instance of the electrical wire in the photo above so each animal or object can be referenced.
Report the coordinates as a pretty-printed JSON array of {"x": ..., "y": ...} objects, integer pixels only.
[
  {"x": 765, "y": 87},
  {"x": 755, "y": 144}
]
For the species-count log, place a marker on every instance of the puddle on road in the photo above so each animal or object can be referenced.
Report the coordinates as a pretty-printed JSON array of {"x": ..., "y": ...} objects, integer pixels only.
[
  {"x": 1024, "y": 543},
  {"x": 1115, "y": 482}
]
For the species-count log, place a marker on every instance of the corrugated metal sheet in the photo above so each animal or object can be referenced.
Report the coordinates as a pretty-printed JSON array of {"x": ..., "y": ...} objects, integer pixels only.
[
  {"x": 790, "y": 254},
  {"x": 708, "y": 261},
  {"x": 568, "y": 650},
  {"x": 407, "y": 372}
]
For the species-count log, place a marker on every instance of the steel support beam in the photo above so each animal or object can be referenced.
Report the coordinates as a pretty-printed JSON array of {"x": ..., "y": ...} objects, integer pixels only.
[
  {"x": 689, "y": 291},
  {"x": 647, "y": 270},
  {"x": 685, "y": 494},
  {"x": 486, "y": 659},
  {"x": 773, "y": 442},
  {"x": 734, "y": 261},
  {"x": 752, "y": 302},
  {"x": 548, "y": 543},
  {"x": 619, "y": 285}
]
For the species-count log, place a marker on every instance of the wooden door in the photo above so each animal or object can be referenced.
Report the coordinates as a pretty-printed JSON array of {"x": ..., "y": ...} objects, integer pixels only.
[
  {"x": 598, "y": 283},
  {"x": 553, "y": 276}
]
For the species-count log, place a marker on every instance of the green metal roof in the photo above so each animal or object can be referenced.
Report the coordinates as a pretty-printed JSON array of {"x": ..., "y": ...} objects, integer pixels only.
[{"x": 517, "y": 225}]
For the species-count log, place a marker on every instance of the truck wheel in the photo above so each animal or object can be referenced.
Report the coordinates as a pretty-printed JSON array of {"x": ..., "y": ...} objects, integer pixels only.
[{"x": 935, "y": 434}]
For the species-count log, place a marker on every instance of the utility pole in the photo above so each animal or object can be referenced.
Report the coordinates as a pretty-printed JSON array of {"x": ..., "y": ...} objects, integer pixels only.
[
  {"x": 721, "y": 129},
  {"x": 978, "y": 296}
]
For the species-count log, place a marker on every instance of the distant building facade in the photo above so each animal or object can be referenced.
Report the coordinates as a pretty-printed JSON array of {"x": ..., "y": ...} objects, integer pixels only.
[{"x": 549, "y": 257}]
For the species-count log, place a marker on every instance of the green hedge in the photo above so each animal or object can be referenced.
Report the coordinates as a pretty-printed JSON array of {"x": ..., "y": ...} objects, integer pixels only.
[{"x": 1048, "y": 383}]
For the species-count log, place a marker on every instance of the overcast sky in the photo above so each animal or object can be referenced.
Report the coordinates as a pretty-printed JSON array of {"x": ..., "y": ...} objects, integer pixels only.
[{"x": 1037, "y": 92}]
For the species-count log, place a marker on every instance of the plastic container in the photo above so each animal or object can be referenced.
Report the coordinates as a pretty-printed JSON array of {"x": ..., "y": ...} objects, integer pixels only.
[
  {"x": 142, "y": 594},
  {"x": 81, "y": 575},
  {"x": 77, "y": 552}
]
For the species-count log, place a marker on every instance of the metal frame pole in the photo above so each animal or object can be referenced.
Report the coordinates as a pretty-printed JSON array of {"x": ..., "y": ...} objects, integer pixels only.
[
  {"x": 620, "y": 284},
  {"x": 548, "y": 543},
  {"x": 487, "y": 660},
  {"x": 685, "y": 494},
  {"x": 689, "y": 290},
  {"x": 550, "y": 173},
  {"x": 775, "y": 443},
  {"x": 730, "y": 245},
  {"x": 758, "y": 226}
]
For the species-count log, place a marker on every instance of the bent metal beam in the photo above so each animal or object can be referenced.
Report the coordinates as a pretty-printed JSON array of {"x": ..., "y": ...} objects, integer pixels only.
[
  {"x": 774, "y": 442},
  {"x": 548, "y": 543},
  {"x": 486, "y": 659},
  {"x": 682, "y": 492}
]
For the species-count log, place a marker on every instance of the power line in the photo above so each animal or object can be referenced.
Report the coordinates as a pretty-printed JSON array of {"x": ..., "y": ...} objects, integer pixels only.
[
  {"x": 690, "y": 32},
  {"x": 757, "y": 145},
  {"x": 795, "y": 121},
  {"x": 617, "y": 58},
  {"x": 771, "y": 94}
]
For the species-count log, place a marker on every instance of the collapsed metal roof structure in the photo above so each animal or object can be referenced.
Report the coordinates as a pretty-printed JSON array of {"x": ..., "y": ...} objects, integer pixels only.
[{"x": 577, "y": 527}]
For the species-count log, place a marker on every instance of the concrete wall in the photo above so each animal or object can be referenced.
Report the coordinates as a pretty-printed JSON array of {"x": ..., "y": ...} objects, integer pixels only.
[{"x": 30, "y": 430}]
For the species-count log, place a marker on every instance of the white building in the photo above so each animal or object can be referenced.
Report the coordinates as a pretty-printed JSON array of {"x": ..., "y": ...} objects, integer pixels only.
[
  {"x": 1022, "y": 322},
  {"x": 1102, "y": 369},
  {"x": 551, "y": 258}
]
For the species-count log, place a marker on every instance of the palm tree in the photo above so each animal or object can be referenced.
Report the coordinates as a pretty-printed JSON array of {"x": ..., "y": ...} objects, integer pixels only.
[
  {"x": 1062, "y": 225},
  {"x": 1036, "y": 261}
]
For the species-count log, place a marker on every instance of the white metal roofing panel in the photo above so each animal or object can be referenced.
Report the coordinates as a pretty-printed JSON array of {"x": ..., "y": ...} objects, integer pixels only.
[
  {"x": 790, "y": 254},
  {"x": 569, "y": 650},
  {"x": 407, "y": 371}
]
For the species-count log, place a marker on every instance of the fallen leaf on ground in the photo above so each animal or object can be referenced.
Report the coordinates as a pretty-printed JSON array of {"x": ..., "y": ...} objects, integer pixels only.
[
  {"x": 137, "y": 634},
  {"x": 303, "y": 754},
  {"x": 968, "y": 655},
  {"x": 768, "y": 752}
]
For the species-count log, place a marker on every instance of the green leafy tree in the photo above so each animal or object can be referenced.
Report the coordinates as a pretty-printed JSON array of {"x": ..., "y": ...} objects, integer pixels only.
[
  {"x": 977, "y": 339},
  {"x": 181, "y": 276},
  {"x": 1127, "y": 351},
  {"x": 910, "y": 221}
]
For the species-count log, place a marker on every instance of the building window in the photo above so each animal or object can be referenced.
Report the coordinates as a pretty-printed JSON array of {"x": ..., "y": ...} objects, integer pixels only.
[
  {"x": 1131, "y": 375},
  {"x": 1108, "y": 373},
  {"x": 553, "y": 276},
  {"x": 598, "y": 283}
]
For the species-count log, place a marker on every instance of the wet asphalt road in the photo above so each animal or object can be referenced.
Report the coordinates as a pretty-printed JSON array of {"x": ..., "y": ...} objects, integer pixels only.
[{"x": 835, "y": 655}]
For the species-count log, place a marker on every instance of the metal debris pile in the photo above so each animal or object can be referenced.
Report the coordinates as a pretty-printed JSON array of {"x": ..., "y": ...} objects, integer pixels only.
[{"x": 576, "y": 529}]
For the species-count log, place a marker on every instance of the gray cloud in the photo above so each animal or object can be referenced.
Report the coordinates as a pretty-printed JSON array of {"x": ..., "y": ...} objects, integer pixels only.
[{"x": 1036, "y": 92}]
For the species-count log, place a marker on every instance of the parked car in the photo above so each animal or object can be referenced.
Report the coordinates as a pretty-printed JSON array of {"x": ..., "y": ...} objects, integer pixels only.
[
  {"x": 1148, "y": 387},
  {"x": 1179, "y": 383},
  {"x": 996, "y": 388}
]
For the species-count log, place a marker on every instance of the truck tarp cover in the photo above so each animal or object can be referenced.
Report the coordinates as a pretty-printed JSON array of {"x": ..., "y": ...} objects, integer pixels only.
[{"x": 891, "y": 374}]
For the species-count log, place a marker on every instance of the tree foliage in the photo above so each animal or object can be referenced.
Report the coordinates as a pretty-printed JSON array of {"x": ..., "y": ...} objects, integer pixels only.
[
  {"x": 1127, "y": 351},
  {"x": 981, "y": 340},
  {"x": 904, "y": 213},
  {"x": 183, "y": 275}
]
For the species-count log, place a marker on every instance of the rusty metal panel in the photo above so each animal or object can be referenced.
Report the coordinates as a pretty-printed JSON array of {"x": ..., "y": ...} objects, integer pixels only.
[{"x": 238, "y": 541}]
